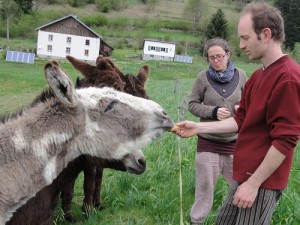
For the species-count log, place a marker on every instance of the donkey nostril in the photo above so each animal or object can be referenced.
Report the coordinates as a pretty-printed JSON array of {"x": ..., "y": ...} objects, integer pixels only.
[{"x": 142, "y": 163}]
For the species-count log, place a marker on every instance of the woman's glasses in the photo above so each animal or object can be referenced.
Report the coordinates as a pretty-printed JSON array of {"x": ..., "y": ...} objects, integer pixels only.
[{"x": 218, "y": 57}]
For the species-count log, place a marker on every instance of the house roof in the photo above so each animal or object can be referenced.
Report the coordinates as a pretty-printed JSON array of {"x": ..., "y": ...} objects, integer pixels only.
[{"x": 75, "y": 18}]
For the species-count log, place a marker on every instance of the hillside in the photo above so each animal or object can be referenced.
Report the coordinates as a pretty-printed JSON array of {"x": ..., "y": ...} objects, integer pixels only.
[
  {"x": 128, "y": 27},
  {"x": 171, "y": 9}
]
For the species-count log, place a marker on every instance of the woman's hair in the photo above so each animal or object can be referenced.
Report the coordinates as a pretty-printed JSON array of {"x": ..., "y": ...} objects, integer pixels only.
[
  {"x": 216, "y": 42},
  {"x": 266, "y": 16}
]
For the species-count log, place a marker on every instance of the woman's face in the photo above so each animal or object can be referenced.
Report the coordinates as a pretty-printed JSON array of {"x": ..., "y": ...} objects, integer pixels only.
[{"x": 218, "y": 58}]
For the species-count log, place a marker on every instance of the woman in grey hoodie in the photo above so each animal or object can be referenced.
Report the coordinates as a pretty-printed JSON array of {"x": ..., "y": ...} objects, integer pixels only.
[{"x": 215, "y": 96}]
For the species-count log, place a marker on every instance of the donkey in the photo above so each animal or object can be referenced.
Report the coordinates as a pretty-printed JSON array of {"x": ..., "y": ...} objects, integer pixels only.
[
  {"x": 39, "y": 210},
  {"x": 105, "y": 73},
  {"x": 102, "y": 123}
]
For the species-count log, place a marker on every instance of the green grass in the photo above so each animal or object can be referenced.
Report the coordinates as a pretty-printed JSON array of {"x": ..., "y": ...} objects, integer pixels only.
[{"x": 153, "y": 197}]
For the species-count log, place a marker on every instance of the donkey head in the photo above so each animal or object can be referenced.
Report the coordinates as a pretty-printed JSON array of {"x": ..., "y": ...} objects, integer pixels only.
[
  {"x": 134, "y": 163},
  {"x": 104, "y": 74},
  {"x": 100, "y": 76},
  {"x": 106, "y": 70}
]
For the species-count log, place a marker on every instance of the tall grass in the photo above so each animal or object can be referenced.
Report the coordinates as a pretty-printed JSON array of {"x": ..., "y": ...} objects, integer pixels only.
[{"x": 153, "y": 197}]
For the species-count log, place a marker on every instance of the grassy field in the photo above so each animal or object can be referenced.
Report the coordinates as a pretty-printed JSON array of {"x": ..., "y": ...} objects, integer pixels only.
[{"x": 152, "y": 198}]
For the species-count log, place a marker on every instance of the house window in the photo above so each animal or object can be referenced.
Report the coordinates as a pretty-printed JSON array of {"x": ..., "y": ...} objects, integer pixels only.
[
  {"x": 157, "y": 49},
  {"x": 68, "y": 50},
  {"x": 50, "y": 37},
  {"x": 151, "y": 56},
  {"x": 164, "y": 50},
  {"x": 49, "y": 48},
  {"x": 87, "y": 42},
  {"x": 86, "y": 52},
  {"x": 69, "y": 40}
]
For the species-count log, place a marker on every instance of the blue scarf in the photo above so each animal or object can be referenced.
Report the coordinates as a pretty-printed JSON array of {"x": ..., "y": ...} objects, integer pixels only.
[{"x": 222, "y": 77}]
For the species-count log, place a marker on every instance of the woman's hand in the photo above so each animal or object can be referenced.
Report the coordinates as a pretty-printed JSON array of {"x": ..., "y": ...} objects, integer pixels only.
[
  {"x": 236, "y": 107},
  {"x": 223, "y": 113}
]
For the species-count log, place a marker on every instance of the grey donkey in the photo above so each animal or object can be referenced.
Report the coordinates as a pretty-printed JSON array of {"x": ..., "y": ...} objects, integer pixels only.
[{"x": 100, "y": 122}]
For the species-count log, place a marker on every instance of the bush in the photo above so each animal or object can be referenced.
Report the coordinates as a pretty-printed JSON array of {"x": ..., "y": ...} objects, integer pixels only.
[
  {"x": 97, "y": 20},
  {"x": 179, "y": 49},
  {"x": 3, "y": 55},
  {"x": 107, "y": 5}
]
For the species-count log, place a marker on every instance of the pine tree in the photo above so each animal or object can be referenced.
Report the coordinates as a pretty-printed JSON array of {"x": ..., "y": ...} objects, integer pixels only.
[
  {"x": 290, "y": 10},
  {"x": 218, "y": 26}
]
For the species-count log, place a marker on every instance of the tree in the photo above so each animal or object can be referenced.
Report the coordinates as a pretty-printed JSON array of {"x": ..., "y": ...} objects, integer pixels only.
[
  {"x": 290, "y": 10},
  {"x": 25, "y": 5},
  {"x": 218, "y": 26},
  {"x": 193, "y": 12},
  {"x": 9, "y": 8}
]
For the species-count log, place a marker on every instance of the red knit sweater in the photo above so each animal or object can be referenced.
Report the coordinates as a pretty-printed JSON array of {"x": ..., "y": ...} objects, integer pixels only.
[{"x": 269, "y": 114}]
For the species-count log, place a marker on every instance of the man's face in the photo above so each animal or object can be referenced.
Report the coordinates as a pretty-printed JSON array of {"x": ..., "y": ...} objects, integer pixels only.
[{"x": 249, "y": 42}]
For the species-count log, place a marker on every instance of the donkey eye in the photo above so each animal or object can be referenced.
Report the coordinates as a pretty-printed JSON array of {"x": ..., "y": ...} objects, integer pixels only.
[{"x": 111, "y": 105}]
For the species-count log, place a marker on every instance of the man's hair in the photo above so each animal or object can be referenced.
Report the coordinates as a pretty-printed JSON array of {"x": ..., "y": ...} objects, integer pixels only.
[
  {"x": 266, "y": 16},
  {"x": 216, "y": 42}
]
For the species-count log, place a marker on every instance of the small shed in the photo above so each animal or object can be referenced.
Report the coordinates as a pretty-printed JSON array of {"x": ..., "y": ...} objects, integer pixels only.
[
  {"x": 158, "y": 50},
  {"x": 70, "y": 36}
]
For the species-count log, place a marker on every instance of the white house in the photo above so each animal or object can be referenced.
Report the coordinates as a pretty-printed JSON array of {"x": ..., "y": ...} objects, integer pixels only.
[
  {"x": 70, "y": 36},
  {"x": 158, "y": 50}
]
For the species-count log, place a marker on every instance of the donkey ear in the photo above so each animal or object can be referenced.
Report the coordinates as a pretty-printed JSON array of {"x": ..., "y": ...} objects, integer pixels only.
[
  {"x": 103, "y": 64},
  {"x": 83, "y": 67},
  {"x": 60, "y": 84},
  {"x": 143, "y": 74},
  {"x": 113, "y": 65}
]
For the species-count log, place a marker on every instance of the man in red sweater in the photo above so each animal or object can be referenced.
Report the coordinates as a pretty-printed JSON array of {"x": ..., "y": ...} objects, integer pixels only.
[{"x": 268, "y": 121}]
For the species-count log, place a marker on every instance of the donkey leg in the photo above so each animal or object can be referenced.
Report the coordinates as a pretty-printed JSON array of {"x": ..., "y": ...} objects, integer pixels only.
[
  {"x": 66, "y": 200},
  {"x": 88, "y": 187},
  {"x": 66, "y": 182},
  {"x": 97, "y": 191}
]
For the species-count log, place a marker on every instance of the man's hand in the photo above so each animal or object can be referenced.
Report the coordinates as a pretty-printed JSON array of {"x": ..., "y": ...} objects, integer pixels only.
[
  {"x": 245, "y": 195},
  {"x": 187, "y": 129}
]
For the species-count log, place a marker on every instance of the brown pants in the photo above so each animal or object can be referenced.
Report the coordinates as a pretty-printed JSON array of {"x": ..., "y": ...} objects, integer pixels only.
[{"x": 209, "y": 167}]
